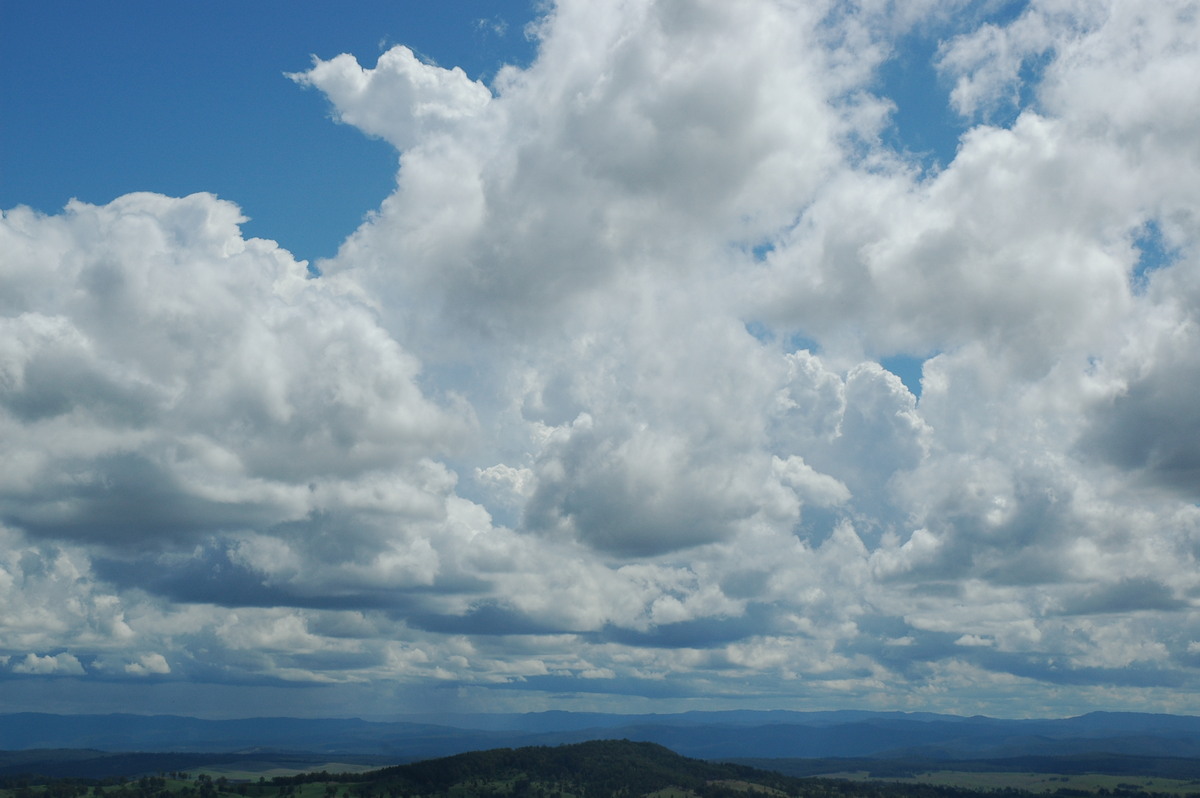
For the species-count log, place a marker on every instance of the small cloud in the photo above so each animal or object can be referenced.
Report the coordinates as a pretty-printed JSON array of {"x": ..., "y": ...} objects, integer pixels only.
[
  {"x": 148, "y": 664},
  {"x": 975, "y": 641},
  {"x": 59, "y": 664},
  {"x": 810, "y": 485},
  {"x": 494, "y": 25},
  {"x": 518, "y": 481}
]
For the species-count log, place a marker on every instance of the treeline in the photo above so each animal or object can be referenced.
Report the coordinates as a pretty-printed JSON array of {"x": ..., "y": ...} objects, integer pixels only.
[
  {"x": 180, "y": 785},
  {"x": 44, "y": 787},
  {"x": 1165, "y": 767},
  {"x": 82, "y": 764}
]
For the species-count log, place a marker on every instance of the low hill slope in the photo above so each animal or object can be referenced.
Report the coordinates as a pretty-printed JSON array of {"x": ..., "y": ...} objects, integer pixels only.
[{"x": 600, "y": 768}]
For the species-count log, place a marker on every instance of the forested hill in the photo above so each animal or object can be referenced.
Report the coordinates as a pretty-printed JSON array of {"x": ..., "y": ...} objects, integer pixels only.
[
  {"x": 600, "y": 767},
  {"x": 597, "y": 768}
]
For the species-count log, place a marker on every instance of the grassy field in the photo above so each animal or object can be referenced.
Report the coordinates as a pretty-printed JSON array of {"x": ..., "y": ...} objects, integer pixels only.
[
  {"x": 252, "y": 771},
  {"x": 1039, "y": 782}
]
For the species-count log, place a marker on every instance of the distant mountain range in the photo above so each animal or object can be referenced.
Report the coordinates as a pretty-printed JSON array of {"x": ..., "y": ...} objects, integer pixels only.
[{"x": 707, "y": 735}]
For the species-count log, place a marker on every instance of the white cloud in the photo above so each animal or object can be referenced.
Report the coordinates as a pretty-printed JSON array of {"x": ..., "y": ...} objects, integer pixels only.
[
  {"x": 149, "y": 664},
  {"x": 58, "y": 664},
  {"x": 401, "y": 99},
  {"x": 973, "y": 640}
]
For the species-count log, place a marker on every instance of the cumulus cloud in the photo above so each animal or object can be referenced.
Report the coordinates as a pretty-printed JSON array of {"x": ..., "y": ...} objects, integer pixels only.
[
  {"x": 401, "y": 100},
  {"x": 594, "y": 402},
  {"x": 58, "y": 664},
  {"x": 149, "y": 664}
]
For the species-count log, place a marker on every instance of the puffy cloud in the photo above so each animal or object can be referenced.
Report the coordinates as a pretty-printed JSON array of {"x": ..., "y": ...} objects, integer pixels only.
[
  {"x": 167, "y": 381},
  {"x": 1144, "y": 422},
  {"x": 636, "y": 128},
  {"x": 149, "y": 664},
  {"x": 60, "y": 664},
  {"x": 401, "y": 100}
]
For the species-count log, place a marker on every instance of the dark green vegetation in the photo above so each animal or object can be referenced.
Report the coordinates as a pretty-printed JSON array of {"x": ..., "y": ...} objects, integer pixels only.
[
  {"x": 89, "y": 764},
  {"x": 595, "y": 769},
  {"x": 1178, "y": 768}
]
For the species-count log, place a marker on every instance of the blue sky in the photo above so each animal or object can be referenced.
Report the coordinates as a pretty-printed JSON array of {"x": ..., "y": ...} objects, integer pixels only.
[
  {"x": 638, "y": 356},
  {"x": 106, "y": 98}
]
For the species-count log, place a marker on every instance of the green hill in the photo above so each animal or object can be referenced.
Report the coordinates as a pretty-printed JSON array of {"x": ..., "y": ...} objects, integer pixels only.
[{"x": 601, "y": 767}]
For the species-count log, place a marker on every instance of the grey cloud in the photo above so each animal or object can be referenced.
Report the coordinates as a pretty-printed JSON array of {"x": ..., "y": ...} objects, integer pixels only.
[
  {"x": 1060, "y": 671},
  {"x": 215, "y": 574},
  {"x": 1126, "y": 596},
  {"x": 903, "y": 648},
  {"x": 1152, "y": 427},
  {"x": 337, "y": 661},
  {"x": 914, "y": 651},
  {"x": 53, "y": 374},
  {"x": 123, "y": 499},
  {"x": 621, "y": 506},
  {"x": 1007, "y": 522},
  {"x": 484, "y": 618},
  {"x": 650, "y": 687},
  {"x": 758, "y": 619},
  {"x": 207, "y": 576}
]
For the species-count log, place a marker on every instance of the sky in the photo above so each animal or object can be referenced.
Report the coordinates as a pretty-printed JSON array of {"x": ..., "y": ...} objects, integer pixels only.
[{"x": 635, "y": 356}]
